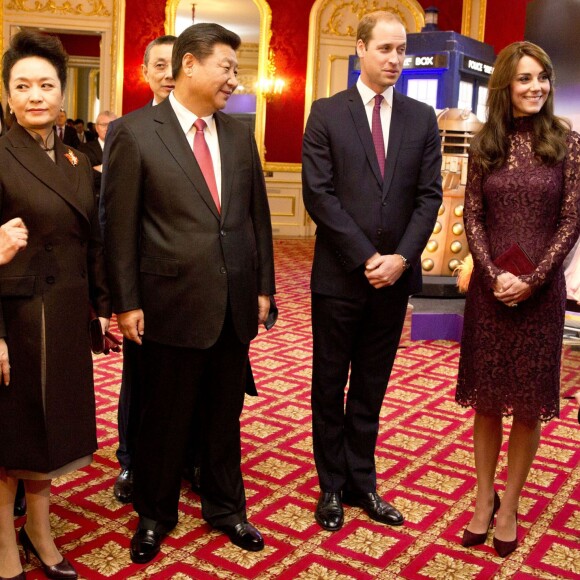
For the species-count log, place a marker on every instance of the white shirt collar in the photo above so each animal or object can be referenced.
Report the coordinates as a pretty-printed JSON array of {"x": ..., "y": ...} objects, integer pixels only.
[
  {"x": 367, "y": 94},
  {"x": 186, "y": 118}
]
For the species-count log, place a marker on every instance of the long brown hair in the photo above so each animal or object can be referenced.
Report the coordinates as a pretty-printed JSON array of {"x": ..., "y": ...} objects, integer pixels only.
[{"x": 490, "y": 146}]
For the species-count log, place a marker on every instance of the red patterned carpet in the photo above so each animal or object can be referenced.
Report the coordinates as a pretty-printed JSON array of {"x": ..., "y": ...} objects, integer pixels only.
[{"x": 424, "y": 464}]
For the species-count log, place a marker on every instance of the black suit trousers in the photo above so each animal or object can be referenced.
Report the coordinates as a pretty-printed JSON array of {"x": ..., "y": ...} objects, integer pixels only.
[
  {"x": 183, "y": 385},
  {"x": 361, "y": 335}
]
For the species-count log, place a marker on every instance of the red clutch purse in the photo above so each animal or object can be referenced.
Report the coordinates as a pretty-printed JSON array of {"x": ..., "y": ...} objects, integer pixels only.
[
  {"x": 101, "y": 342},
  {"x": 515, "y": 260}
]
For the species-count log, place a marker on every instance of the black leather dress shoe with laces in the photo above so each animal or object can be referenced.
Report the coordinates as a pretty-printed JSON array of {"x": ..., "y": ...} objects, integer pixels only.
[
  {"x": 329, "y": 513},
  {"x": 145, "y": 545},
  {"x": 244, "y": 535},
  {"x": 376, "y": 507},
  {"x": 123, "y": 488}
]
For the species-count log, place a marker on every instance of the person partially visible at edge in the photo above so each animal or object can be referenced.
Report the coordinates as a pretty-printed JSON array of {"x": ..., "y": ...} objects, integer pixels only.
[
  {"x": 156, "y": 69},
  {"x": 523, "y": 187},
  {"x": 184, "y": 191},
  {"x": 47, "y": 404},
  {"x": 373, "y": 217}
]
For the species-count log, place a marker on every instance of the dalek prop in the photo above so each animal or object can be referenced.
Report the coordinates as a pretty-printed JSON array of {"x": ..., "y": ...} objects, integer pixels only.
[{"x": 447, "y": 245}]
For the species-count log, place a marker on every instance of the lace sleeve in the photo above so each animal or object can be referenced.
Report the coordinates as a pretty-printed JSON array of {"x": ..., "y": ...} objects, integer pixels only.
[
  {"x": 474, "y": 219},
  {"x": 568, "y": 228}
]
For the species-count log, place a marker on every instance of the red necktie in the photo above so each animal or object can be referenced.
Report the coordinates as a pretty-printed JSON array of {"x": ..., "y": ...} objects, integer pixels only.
[
  {"x": 377, "y": 132},
  {"x": 59, "y": 133},
  {"x": 203, "y": 156}
]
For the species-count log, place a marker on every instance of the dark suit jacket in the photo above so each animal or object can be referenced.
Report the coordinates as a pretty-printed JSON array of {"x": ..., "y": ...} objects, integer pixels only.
[
  {"x": 168, "y": 250},
  {"x": 70, "y": 137},
  {"x": 356, "y": 211},
  {"x": 93, "y": 151},
  {"x": 44, "y": 304}
]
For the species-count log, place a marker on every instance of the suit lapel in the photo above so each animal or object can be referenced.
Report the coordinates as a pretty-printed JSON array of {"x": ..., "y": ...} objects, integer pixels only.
[
  {"x": 396, "y": 131},
  {"x": 361, "y": 122},
  {"x": 170, "y": 132},
  {"x": 227, "y": 156},
  {"x": 64, "y": 181}
]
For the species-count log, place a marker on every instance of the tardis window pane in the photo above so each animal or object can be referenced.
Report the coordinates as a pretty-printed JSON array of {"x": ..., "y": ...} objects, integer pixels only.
[
  {"x": 481, "y": 104},
  {"x": 465, "y": 95},
  {"x": 424, "y": 90}
]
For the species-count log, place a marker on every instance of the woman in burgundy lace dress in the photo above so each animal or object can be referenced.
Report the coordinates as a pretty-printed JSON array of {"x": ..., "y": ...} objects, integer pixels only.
[{"x": 523, "y": 187}]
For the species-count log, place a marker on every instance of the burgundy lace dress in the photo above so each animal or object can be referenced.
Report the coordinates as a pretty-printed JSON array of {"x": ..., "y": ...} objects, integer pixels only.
[{"x": 510, "y": 357}]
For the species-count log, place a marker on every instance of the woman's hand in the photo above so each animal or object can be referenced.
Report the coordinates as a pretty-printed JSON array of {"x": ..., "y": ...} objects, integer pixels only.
[
  {"x": 4, "y": 363},
  {"x": 510, "y": 290}
]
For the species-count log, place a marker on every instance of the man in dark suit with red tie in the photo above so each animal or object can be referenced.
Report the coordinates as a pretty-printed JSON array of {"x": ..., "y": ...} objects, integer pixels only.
[
  {"x": 64, "y": 132},
  {"x": 190, "y": 256},
  {"x": 373, "y": 217}
]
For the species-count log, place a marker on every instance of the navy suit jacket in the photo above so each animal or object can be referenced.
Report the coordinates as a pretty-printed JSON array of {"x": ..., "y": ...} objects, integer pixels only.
[{"x": 356, "y": 211}]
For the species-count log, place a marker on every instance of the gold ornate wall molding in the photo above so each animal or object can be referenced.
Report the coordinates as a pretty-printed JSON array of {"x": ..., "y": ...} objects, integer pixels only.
[
  {"x": 331, "y": 39},
  {"x": 105, "y": 17},
  {"x": 84, "y": 8},
  {"x": 473, "y": 19}
]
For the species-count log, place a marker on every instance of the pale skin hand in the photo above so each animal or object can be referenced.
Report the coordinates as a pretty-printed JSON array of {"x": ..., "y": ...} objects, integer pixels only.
[
  {"x": 4, "y": 363},
  {"x": 13, "y": 238},
  {"x": 263, "y": 308},
  {"x": 132, "y": 324},
  {"x": 383, "y": 270},
  {"x": 510, "y": 290}
]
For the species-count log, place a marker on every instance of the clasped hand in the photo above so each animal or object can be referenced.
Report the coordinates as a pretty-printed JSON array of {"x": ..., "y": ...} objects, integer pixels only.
[
  {"x": 383, "y": 270},
  {"x": 510, "y": 290}
]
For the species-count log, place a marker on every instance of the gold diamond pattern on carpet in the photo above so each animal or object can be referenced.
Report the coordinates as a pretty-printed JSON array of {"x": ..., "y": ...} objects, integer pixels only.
[{"x": 424, "y": 466}]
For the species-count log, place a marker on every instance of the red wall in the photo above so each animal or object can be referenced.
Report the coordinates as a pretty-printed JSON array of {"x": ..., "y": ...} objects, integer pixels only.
[
  {"x": 505, "y": 22},
  {"x": 81, "y": 44},
  {"x": 144, "y": 21}
]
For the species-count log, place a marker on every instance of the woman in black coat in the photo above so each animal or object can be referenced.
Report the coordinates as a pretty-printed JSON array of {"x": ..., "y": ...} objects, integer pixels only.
[{"x": 47, "y": 407}]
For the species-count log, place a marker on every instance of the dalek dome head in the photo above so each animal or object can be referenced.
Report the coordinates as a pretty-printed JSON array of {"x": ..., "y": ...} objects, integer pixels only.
[{"x": 457, "y": 127}]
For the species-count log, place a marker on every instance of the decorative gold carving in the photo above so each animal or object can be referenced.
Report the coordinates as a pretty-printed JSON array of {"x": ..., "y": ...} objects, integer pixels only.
[
  {"x": 336, "y": 26},
  {"x": 84, "y": 8}
]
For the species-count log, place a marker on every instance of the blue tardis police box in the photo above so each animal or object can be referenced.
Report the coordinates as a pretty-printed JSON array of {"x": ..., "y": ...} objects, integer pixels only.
[{"x": 443, "y": 69}]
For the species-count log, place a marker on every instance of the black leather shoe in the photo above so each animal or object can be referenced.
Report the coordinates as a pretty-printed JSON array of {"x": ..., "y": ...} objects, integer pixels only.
[
  {"x": 145, "y": 545},
  {"x": 20, "y": 500},
  {"x": 123, "y": 488},
  {"x": 244, "y": 535},
  {"x": 329, "y": 513},
  {"x": 376, "y": 507}
]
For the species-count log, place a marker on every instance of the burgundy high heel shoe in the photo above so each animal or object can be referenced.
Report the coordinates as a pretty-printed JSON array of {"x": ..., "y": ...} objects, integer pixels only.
[
  {"x": 504, "y": 549},
  {"x": 62, "y": 570},
  {"x": 471, "y": 539}
]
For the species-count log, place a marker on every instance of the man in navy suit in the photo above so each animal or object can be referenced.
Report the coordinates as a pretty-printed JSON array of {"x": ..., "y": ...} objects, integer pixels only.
[
  {"x": 373, "y": 217},
  {"x": 190, "y": 258}
]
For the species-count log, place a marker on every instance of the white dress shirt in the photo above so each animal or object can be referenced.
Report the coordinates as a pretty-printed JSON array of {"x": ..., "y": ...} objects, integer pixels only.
[
  {"x": 186, "y": 119},
  {"x": 368, "y": 98}
]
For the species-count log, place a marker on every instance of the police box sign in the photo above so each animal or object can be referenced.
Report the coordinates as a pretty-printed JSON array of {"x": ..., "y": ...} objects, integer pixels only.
[
  {"x": 472, "y": 64},
  {"x": 440, "y": 60}
]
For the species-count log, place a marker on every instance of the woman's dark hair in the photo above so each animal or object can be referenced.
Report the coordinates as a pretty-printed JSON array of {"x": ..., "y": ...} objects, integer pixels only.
[
  {"x": 27, "y": 43},
  {"x": 490, "y": 146},
  {"x": 199, "y": 40}
]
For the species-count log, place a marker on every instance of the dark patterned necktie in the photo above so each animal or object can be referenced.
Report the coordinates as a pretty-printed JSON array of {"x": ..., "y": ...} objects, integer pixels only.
[
  {"x": 203, "y": 156},
  {"x": 377, "y": 132}
]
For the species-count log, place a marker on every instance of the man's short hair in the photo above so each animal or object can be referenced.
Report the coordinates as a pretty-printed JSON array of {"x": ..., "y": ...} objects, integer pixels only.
[
  {"x": 199, "y": 40},
  {"x": 368, "y": 22},
  {"x": 166, "y": 39}
]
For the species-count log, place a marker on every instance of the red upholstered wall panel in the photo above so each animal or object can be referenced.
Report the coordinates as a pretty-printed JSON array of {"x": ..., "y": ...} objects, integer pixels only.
[
  {"x": 143, "y": 22},
  {"x": 505, "y": 22},
  {"x": 81, "y": 44}
]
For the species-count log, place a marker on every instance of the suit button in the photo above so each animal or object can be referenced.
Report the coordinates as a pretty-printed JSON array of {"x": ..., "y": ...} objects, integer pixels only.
[
  {"x": 384, "y": 203},
  {"x": 222, "y": 234},
  {"x": 50, "y": 279},
  {"x": 379, "y": 232},
  {"x": 48, "y": 247},
  {"x": 223, "y": 270}
]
